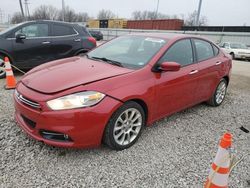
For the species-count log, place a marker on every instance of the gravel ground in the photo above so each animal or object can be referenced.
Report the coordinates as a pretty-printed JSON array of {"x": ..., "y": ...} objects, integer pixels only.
[{"x": 175, "y": 152}]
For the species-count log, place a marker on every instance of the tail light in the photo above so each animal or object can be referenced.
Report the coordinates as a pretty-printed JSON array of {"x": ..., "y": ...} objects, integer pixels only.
[{"x": 92, "y": 39}]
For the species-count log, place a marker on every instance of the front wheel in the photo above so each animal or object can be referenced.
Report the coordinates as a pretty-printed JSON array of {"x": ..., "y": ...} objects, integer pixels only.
[
  {"x": 125, "y": 126},
  {"x": 2, "y": 67},
  {"x": 219, "y": 94}
]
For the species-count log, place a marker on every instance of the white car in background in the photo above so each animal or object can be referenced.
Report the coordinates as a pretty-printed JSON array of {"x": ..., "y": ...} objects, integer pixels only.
[{"x": 236, "y": 50}]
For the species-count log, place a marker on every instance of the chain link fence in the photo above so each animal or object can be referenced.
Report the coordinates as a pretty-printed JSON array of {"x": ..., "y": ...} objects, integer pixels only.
[{"x": 217, "y": 37}]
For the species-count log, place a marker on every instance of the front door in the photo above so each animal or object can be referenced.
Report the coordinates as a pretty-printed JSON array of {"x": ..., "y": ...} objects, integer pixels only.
[{"x": 35, "y": 49}]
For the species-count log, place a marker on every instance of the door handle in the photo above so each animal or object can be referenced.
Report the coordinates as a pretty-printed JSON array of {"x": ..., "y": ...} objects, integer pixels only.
[
  {"x": 77, "y": 40},
  {"x": 46, "y": 42},
  {"x": 218, "y": 63},
  {"x": 193, "y": 72}
]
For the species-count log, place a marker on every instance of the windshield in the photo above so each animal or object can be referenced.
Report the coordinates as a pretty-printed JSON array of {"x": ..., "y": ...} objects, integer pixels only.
[
  {"x": 238, "y": 46},
  {"x": 131, "y": 52},
  {"x": 10, "y": 28}
]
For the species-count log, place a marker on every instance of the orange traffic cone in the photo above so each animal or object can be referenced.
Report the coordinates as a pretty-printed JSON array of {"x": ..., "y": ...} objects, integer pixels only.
[
  {"x": 10, "y": 79},
  {"x": 219, "y": 173}
]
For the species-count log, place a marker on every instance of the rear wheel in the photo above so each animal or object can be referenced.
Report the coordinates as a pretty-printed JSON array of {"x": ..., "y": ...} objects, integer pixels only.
[
  {"x": 2, "y": 67},
  {"x": 125, "y": 126},
  {"x": 219, "y": 94}
]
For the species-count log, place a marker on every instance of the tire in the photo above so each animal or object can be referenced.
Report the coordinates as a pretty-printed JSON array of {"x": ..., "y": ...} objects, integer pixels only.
[
  {"x": 219, "y": 94},
  {"x": 232, "y": 55},
  {"x": 2, "y": 67},
  {"x": 128, "y": 128}
]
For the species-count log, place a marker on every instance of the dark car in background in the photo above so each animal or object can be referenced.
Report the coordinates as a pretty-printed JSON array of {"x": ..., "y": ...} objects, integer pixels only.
[
  {"x": 36, "y": 42},
  {"x": 96, "y": 34}
]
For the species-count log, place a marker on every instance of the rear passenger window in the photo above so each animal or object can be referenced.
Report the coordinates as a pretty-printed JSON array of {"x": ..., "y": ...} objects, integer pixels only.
[
  {"x": 62, "y": 30},
  {"x": 204, "y": 50},
  {"x": 181, "y": 52}
]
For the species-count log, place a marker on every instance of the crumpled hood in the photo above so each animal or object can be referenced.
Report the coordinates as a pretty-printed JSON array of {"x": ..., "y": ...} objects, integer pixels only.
[{"x": 68, "y": 73}]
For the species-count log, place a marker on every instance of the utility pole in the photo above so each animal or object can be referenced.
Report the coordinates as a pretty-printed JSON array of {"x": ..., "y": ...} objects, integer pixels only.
[
  {"x": 21, "y": 7},
  {"x": 63, "y": 11},
  {"x": 198, "y": 14},
  {"x": 156, "y": 12}
]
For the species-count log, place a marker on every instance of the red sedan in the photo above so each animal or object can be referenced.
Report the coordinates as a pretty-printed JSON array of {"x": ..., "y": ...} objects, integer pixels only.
[{"x": 118, "y": 88}]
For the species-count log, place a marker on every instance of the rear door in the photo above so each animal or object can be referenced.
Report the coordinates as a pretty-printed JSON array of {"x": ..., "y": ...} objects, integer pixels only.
[
  {"x": 65, "y": 41},
  {"x": 35, "y": 49},
  {"x": 177, "y": 90},
  {"x": 210, "y": 65}
]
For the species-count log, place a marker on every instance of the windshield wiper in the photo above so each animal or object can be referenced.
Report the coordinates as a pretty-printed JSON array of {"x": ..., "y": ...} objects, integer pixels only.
[{"x": 110, "y": 61}]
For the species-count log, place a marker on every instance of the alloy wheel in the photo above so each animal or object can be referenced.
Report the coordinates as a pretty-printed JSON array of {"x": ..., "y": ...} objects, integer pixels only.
[
  {"x": 127, "y": 126},
  {"x": 221, "y": 92}
]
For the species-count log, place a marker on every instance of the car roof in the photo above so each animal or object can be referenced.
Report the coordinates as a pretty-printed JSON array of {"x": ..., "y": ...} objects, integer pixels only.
[
  {"x": 49, "y": 21},
  {"x": 168, "y": 36},
  {"x": 163, "y": 35}
]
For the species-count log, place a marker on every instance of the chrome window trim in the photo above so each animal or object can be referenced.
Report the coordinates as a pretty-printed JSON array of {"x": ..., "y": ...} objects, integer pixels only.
[{"x": 28, "y": 38}]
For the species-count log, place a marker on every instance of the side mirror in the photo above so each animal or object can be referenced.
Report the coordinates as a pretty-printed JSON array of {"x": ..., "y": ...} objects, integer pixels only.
[
  {"x": 20, "y": 36},
  {"x": 170, "y": 66}
]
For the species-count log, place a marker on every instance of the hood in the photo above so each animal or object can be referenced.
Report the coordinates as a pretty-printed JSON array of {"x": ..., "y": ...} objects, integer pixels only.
[{"x": 68, "y": 73}]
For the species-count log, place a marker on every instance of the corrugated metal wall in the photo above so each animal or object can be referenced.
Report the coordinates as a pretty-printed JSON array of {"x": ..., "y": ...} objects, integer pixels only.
[{"x": 165, "y": 24}]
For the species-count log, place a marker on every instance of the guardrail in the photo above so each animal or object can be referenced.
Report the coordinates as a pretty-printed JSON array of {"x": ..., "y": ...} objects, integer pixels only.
[{"x": 217, "y": 37}]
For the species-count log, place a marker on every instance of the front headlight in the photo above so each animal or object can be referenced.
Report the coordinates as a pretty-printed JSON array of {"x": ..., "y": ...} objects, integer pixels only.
[{"x": 76, "y": 100}]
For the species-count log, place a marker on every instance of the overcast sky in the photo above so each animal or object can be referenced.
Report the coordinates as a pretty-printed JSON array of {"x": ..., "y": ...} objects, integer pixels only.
[{"x": 218, "y": 12}]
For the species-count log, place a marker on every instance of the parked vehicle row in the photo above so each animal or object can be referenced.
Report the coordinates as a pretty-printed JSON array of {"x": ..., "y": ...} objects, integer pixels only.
[
  {"x": 236, "y": 50},
  {"x": 96, "y": 34},
  {"x": 118, "y": 88},
  {"x": 33, "y": 43}
]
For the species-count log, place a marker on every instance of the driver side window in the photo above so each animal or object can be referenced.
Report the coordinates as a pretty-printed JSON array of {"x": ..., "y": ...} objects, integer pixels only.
[
  {"x": 181, "y": 52},
  {"x": 35, "y": 30}
]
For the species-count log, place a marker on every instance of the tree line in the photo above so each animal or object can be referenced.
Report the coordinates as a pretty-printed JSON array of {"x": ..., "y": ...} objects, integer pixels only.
[{"x": 48, "y": 12}]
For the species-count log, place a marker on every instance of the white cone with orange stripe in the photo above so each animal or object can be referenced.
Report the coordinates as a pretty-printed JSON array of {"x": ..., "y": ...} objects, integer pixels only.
[
  {"x": 219, "y": 173},
  {"x": 10, "y": 79}
]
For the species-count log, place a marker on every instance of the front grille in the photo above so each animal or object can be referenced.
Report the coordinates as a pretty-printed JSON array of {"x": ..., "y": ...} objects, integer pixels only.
[
  {"x": 29, "y": 122},
  {"x": 26, "y": 101}
]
